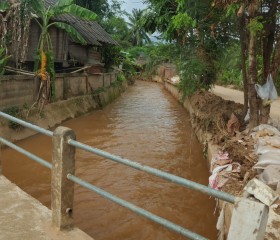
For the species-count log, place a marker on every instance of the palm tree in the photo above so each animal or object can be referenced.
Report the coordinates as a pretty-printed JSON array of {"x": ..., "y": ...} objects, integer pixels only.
[{"x": 137, "y": 34}]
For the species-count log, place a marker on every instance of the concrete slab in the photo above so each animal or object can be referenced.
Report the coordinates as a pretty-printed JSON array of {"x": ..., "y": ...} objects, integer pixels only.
[
  {"x": 248, "y": 220},
  {"x": 23, "y": 217}
]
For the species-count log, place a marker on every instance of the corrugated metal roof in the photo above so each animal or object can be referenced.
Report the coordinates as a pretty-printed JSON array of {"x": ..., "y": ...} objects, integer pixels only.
[{"x": 92, "y": 32}]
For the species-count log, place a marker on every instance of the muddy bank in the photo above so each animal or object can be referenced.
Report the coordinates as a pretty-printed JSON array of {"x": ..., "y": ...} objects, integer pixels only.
[
  {"x": 211, "y": 116},
  {"x": 55, "y": 113}
]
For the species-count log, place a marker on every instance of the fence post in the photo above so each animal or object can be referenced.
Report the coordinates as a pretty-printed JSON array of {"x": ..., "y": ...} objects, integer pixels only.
[{"x": 62, "y": 189}]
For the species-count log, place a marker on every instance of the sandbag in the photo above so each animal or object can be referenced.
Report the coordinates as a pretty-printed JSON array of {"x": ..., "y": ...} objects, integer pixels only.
[
  {"x": 266, "y": 159},
  {"x": 271, "y": 176},
  {"x": 268, "y": 144}
]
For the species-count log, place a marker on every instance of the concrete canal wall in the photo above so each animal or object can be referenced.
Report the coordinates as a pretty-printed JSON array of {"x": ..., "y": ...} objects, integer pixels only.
[
  {"x": 77, "y": 103},
  {"x": 205, "y": 139},
  {"x": 163, "y": 74},
  {"x": 22, "y": 216},
  {"x": 19, "y": 90}
]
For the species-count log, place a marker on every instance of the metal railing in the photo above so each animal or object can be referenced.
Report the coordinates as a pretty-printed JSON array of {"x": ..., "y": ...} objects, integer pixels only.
[{"x": 63, "y": 170}]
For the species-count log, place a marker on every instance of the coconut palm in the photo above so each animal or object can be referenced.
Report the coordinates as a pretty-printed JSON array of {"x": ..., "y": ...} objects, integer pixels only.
[{"x": 137, "y": 34}]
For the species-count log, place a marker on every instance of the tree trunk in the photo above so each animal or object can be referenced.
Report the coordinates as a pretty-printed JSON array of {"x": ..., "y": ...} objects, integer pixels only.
[
  {"x": 242, "y": 31},
  {"x": 276, "y": 60},
  {"x": 267, "y": 41},
  {"x": 253, "y": 101}
]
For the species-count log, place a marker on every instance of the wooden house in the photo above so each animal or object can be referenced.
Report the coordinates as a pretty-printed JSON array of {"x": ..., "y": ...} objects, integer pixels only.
[{"x": 66, "y": 51}]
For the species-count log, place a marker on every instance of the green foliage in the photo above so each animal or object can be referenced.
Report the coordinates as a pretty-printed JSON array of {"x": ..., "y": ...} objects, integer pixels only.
[
  {"x": 134, "y": 52},
  {"x": 112, "y": 56},
  {"x": 15, "y": 112},
  {"x": 137, "y": 32},
  {"x": 181, "y": 23},
  {"x": 191, "y": 71},
  {"x": 121, "y": 77},
  {"x": 51, "y": 70},
  {"x": 256, "y": 25},
  {"x": 3, "y": 60},
  {"x": 100, "y": 7},
  {"x": 46, "y": 14},
  {"x": 117, "y": 27},
  {"x": 229, "y": 70},
  {"x": 232, "y": 9},
  {"x": 4, "y": 6},
  {"x": 80, "y": 12},
  {"x": 130, "y": 66}
]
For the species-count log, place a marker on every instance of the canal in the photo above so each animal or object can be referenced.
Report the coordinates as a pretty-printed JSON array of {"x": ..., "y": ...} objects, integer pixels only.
[{"x": 145, "y": 125}]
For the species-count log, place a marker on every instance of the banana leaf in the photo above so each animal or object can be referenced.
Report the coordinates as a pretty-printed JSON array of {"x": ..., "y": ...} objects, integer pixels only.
[
  {"x": 4, "y": 6},
  {"x": 63, "y": 3},
  {"x": 3, "y": 63},
  {"x": 38, "y": 7},
  {"x": 81, "y": 12}
]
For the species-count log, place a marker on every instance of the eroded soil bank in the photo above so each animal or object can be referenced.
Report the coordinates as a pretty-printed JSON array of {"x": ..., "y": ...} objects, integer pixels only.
[{"x": 220, "y": 132}]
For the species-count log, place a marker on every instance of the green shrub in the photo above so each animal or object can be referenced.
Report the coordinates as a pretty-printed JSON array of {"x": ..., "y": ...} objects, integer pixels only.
[
  {"x": 229, "y": 71},
  {"x": 121, "y": 77},
  {"x": 15, "y": 112}
]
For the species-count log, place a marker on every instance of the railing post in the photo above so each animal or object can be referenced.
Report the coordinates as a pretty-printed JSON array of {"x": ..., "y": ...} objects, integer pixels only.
[
  {"x": 62, "y": 190},
  {"x": 0, "y": 159}
]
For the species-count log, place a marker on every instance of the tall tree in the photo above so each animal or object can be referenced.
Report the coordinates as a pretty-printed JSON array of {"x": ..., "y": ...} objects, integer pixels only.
[
  {"x": 100, "y": 7},
  {"x": 137, "y": 33},
  {"x": 191, "y": 24},
  {"x": 259, "y": 36}
]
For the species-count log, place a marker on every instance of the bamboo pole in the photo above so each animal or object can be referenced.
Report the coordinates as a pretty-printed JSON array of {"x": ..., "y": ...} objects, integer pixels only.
[
  {"x": 81, "y": 69},
  {"x": 18, "y": 71}
]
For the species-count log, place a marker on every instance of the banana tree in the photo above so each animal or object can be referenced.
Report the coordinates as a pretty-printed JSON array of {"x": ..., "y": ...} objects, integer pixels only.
[
  {"x": 45, "y": 16},
  {"x": 3, "y": 60}
]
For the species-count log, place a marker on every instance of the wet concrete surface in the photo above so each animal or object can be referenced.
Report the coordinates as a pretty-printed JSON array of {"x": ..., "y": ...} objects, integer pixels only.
[{"x": 24, "y": 218}]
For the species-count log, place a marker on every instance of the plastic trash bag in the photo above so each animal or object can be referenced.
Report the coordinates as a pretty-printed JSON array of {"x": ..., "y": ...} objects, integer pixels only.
[{"x": 268, "y": 91}]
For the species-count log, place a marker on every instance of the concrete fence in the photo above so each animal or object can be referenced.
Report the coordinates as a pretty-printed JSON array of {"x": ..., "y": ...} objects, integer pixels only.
[
  {"x": 166, "y": 71},
  {"x": 17, "y": 90}
]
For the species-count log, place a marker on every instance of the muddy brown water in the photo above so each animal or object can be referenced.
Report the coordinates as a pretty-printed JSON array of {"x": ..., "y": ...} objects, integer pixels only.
[{"x": 146, "y": 125}]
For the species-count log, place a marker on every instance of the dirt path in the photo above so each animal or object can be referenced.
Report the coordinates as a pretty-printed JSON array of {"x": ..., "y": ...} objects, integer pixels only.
[{"x": 237, "y": 96}]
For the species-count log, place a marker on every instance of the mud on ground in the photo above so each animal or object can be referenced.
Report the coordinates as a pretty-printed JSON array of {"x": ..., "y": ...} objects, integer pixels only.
[{"x": 214, "y": 115}]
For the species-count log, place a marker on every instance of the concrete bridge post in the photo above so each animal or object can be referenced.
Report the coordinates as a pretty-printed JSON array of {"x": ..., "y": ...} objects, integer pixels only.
[
  {"x": 0, "y": 160},
  {"x": 62, "y": 189}
]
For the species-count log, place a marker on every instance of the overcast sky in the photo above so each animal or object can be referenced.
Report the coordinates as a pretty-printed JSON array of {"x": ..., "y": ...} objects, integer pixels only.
[{"x": 128, "y": 5}]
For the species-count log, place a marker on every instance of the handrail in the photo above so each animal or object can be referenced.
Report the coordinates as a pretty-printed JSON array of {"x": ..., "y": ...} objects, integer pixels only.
[
  {"x": 26, "y": 153},
  {"x": 136, "y": 209},
  {"x": 67, "y": 137},
  {"x": 26, "y": 124},
  {"x": 170, "y": 177}
]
